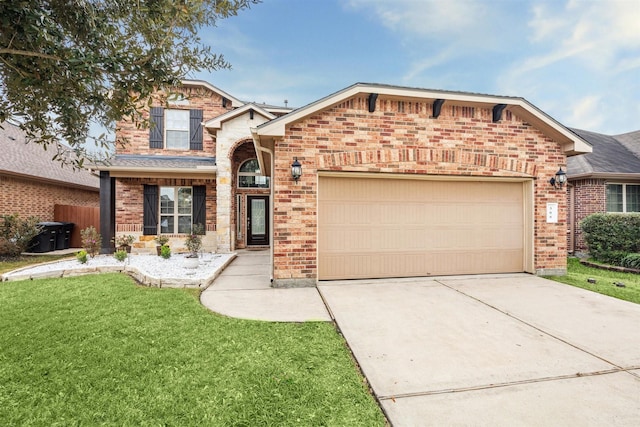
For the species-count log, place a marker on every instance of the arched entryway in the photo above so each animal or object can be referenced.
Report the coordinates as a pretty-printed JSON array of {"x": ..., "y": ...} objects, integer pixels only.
[{"x": 251, "y": 191}]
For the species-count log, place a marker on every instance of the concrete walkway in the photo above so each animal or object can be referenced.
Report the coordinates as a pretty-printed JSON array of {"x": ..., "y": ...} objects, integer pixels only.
[
  {"x": 243, "y": 290},
  {"x": 498, "y": 350}
]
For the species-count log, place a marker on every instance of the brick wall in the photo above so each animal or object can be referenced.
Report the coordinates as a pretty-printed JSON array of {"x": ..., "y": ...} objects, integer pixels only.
[
  {"x": 589, "y": 198},
  {"x": 33, "y": 198},
  {"x": 137, "y": 140},
  {"x": 400, "y": 137}
]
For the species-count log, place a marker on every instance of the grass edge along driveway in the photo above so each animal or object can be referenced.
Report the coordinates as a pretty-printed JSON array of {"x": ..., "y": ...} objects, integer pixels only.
[
  {"x": 100, "y": 350},
  {"x": 577, "y": 275}
]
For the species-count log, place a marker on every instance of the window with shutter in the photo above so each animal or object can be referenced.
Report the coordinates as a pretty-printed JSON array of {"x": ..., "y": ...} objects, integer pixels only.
[
  {"x": 150, "y": 210},
  {"x": 200, "y": 205},
  {"x": 195, "y": 129},
  {"x": 156, "y": 129}
]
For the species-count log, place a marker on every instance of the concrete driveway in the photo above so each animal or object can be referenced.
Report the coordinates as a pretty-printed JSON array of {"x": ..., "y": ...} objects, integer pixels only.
[{"x": 492, "y": 350}]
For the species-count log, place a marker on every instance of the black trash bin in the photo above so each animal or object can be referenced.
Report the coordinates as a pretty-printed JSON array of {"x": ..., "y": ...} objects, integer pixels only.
[
  {"x": 63, "y": 238},
  {"x": 47, "y": 239}
]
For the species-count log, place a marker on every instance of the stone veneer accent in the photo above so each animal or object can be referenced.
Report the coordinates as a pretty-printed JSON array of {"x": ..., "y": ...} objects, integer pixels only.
[{"x": 400, "y": 137}]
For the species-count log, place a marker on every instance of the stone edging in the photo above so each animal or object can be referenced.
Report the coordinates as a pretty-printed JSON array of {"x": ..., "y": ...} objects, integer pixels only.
[
  {"x": 609, "y": 267},
  {"x": 136, "y": 274}
]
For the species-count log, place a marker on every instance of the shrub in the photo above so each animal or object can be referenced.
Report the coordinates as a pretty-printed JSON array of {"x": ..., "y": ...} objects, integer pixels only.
[
  {"x": 120, "y": 255},
  {"x": 91, "y": 240},
  {"x": 16, "y": 234},
  {"x": 631, "y": 261},
  {"x": 82, "y": 256},
  {"x": 193, "y": 241},
  {"x": 124, "y": 240},
  {"x": 161, "y": 239},
  {"x": 165, "y": 252},
  {"x": 610, "y": 237}
]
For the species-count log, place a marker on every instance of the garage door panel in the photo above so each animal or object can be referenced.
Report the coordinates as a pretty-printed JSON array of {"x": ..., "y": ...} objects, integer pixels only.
[{"x": 402, "y": 228}]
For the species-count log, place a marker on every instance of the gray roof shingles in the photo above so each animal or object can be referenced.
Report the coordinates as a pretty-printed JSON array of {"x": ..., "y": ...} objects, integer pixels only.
[
  {"x": 30, "y": 160},
  {"x": 160, "y": 162},
  {"x": 618, "y": 154}
]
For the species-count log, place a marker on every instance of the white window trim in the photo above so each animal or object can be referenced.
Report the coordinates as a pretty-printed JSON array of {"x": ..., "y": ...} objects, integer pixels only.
[
  {"x": 175, "y": 214},
  {"x": 167, "y": 129},
  {"x": 239, "y": 174},
  {"x": 624, "y": 196}
]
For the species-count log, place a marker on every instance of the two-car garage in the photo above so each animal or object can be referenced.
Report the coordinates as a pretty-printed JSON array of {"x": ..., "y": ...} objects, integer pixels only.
[{"x": 375, "y": 226}]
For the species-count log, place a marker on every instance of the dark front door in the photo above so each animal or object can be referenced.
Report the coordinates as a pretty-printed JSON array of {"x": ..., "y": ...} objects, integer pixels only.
[{"x": 257, "y": 220}]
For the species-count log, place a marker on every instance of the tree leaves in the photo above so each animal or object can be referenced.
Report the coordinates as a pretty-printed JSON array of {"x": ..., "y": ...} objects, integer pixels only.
[{"x": 67, "y": 64}]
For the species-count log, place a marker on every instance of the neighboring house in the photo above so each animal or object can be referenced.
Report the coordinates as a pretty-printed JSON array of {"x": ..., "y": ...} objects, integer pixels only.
[
  {"x": 31, "y": 183},
  {"x": 395, "y": 182},
  {"x": 606, "y": 180}
]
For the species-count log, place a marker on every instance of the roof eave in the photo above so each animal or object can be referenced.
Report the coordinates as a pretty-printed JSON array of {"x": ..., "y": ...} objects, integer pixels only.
[
  {"x": 235, "y": 102},
  {"x": 571, "y": 143},
  {"x": 51, "y": 181}
]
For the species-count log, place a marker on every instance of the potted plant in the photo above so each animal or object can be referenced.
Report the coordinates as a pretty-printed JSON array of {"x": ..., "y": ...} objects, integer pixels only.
[
  {"x": 161, "y": 240},
  {"x": 124, "y": 242},
  {"x": 193, "y": 243}
]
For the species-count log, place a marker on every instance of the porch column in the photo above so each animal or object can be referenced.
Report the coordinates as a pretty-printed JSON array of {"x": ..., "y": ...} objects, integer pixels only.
[
  {"x": 224, "y": 200},
  {"x": 107, "y": 211}
]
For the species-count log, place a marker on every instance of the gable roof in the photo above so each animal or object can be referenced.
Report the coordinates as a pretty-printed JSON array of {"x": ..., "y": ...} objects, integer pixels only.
[
  {"x": 29, "y": 160},
  {"x": 612, "y": 156},
  {"x": 216, "y": 122},
  {"x": 571, "y": 143},
  {"x": 235, "y": 102}
]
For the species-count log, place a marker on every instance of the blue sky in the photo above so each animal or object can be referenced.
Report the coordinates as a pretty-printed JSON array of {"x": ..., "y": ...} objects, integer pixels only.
[{"x": 578, "y": 60}]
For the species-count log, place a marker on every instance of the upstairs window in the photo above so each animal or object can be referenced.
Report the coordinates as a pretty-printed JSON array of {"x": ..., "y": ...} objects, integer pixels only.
[
  {"x": 623, "y": 198},
  {"x": 177, "y": 129},
  {"x": 249, "y": 175}
]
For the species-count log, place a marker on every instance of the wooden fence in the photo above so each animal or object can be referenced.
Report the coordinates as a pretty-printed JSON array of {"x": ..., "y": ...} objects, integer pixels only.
[{"x": 81, "y": 216}]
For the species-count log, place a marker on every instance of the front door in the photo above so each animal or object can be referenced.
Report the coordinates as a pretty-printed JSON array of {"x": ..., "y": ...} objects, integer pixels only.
[{"x": 257, "y": 220}]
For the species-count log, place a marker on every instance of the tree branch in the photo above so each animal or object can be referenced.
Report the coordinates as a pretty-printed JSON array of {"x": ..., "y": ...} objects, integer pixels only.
[{"x": 28, "y": 53}]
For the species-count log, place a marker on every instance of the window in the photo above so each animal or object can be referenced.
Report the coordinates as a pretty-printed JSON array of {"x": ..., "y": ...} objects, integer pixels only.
[
  {"x": 177, "y": 129},
  {"x": 623, "y": 198},
  {"x": 249, "y": 175},
  {"x": 176, "y": 204}
]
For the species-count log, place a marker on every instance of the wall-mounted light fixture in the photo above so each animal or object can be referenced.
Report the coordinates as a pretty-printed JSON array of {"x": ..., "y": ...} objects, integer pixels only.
[
  {"x": 559, "y": 180},
  {"x": 296, "y": 169}
]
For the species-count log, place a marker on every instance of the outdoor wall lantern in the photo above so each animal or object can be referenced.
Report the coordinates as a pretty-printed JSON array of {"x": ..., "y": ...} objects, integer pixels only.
[
  {"x": 296, "y": 169},
  {"x": 559, "y": 180}
]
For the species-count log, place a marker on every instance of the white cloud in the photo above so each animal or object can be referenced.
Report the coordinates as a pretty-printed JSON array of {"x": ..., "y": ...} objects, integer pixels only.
[{"x": 584, "y": 112}]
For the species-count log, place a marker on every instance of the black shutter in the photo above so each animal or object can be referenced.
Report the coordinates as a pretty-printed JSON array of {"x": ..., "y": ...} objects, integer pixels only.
[
  {"x": 150, "y": 210},
  {"x": 156, "y": 129},
  {"x": 195, "y": 129},
  {"x": 200, "y": 206}
]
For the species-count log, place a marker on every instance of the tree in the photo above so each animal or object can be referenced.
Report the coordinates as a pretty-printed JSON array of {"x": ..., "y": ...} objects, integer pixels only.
[{"x": 66, "y": 64}]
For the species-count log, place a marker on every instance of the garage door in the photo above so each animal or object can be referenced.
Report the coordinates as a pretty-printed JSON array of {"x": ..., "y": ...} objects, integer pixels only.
[{"x": 373, "y": 228}]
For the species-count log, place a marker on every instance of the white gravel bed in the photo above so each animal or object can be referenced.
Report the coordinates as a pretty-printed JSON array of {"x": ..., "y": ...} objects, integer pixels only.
[{"x": 149, "y": 269}]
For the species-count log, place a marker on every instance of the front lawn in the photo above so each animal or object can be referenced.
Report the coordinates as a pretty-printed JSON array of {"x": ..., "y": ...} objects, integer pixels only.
[
  {"x": 577, "y": 275},
  {"x": 100, "y": 350}
]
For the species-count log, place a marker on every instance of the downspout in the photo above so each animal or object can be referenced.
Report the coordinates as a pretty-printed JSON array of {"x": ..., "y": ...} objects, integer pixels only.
[{"x": 271, "y": 194}]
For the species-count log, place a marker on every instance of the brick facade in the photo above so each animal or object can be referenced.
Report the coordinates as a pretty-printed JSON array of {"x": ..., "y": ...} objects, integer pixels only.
[
  {"x": 588, "y": 198},
  {"x": 137, "y": 140},
  {"x": 129, "y": 210},
  {"x": 27, "y": 197},
  {"x": 400, "y": 137}
]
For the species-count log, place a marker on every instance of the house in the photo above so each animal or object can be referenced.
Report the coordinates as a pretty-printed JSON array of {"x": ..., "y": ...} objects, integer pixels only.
[
  {"x": 606, "y": 180},
  {"x": 32, "y": 184},
  {"x": 372, "y": 181}
]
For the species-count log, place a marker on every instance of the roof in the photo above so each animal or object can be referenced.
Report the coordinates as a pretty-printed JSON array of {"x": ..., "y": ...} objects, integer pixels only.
[
  {"x": 216, "y": 123},
  {"x": 132, "y": 164},
  {"x": 30, "y": 160},
  {"x": 612, "y": 156},
  {"x": 572, "y": 143},
  {"x": 235, "y": 102}
]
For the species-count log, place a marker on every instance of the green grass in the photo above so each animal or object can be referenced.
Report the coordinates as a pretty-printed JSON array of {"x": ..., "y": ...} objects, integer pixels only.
[
  {"x": 577, "y": 275},
  {"x": 9, "y": 264},
  {"x": 99, "y": 350}
]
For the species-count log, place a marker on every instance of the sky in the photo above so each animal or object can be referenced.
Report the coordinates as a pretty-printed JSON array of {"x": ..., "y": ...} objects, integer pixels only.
[{"x": 577, "y": 60}]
